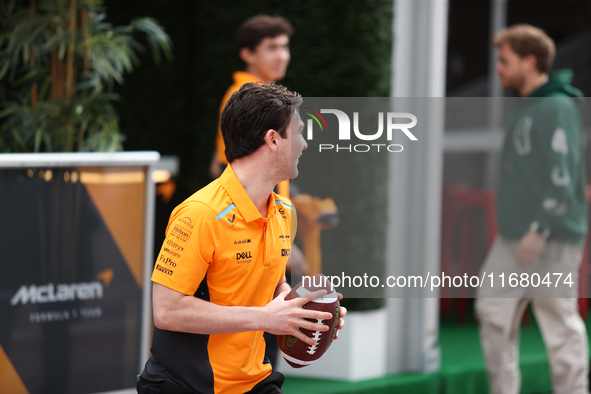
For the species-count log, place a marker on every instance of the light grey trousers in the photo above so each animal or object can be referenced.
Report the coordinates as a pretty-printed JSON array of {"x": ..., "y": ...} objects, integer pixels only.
[{"x": 500, "y": 310}]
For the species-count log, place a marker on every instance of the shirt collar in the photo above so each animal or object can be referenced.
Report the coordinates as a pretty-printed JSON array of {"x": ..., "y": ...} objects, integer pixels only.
[
  {"x": 242, "y": 200},
  {"x": 242, "y": 77}
]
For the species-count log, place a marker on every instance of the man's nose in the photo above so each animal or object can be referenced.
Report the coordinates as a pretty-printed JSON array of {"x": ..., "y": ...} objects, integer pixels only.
[{"x": 498, "y": 67}]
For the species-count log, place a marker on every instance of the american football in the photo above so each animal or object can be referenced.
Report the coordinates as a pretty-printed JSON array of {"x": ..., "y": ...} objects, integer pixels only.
[{"x": 297, "y": 353}]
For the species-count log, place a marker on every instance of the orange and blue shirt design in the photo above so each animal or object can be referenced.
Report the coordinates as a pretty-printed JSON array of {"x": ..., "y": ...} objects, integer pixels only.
[{"x": 219, "y": 248}]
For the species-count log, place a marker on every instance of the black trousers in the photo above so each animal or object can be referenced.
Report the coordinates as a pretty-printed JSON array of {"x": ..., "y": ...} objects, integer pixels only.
[{"x": 271, "y": 385}]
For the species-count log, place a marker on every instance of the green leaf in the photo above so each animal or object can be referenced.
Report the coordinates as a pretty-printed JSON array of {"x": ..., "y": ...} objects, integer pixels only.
[
  {"x": 47, "y": 141},
  {"x": 38, "y": 135},
  {"x": 18, "y": 139},
  {"x": 28, "y": 76},
  {"x": 43, "y": 92},
  {"x": 62, "y": 50},
  {"x": 4, "y": 70},
  {"x": 26, "y": 52},
  {"x": 9, "y": 111}
]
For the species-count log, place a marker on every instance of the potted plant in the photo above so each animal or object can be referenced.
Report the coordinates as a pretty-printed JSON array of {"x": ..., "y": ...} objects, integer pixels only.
[{"x": 59, "y": 62}]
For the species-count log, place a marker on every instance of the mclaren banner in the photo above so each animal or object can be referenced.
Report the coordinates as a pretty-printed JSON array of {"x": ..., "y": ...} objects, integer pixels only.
[{"x": 72, "y": 257}]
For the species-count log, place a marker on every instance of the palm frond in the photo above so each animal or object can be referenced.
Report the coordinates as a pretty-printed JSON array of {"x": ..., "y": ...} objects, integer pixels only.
[{"x": 85, "y": 118}]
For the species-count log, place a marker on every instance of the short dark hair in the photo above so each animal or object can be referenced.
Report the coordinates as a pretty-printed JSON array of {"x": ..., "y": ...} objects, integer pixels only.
[
  {"x": 259, "y": 27},
  {"x": 528, "y": 40},
  {"x": 251, "y": 112}
]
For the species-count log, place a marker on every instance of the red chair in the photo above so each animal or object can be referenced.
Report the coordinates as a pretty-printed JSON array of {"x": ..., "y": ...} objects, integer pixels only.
[
  {"x": 583, "y": 278},
  {"x": 460, "y": 208}
]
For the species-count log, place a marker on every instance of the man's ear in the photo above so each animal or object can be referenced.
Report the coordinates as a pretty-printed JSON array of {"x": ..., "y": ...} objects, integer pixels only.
[
  {"x": 246, "y": 55},
  {"x": 532, "y": 62},
  {"x": 271, "y": 140}
]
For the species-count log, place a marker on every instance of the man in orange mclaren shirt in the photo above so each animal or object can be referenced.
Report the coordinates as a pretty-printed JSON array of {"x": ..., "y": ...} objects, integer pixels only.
[
  {"x": 263, "y": 43},
  {"x": 219, "y": 280}
]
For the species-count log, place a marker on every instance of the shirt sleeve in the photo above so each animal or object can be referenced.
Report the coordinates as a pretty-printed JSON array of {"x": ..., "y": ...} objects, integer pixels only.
[
  {"x": 561, "y": 141},
  {"x": 188, "y": 250}
]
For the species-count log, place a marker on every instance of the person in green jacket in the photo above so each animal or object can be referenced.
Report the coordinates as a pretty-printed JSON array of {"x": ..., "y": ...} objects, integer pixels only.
[{"x": 542, "y": 217}]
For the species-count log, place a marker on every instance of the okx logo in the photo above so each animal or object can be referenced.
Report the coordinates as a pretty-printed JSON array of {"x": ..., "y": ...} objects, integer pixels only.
[{"x": 390, "y": 123}]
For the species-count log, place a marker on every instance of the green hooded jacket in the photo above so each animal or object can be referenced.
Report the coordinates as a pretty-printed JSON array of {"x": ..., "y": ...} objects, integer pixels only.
[{"x": 543, "y": 164}]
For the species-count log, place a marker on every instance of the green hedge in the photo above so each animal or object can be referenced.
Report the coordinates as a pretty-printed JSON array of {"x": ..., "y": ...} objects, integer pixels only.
[{"x": 339, "y": 49}]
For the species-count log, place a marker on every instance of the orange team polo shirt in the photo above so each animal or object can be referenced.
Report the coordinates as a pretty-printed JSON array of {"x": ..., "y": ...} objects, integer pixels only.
[
  {"x": 219, "y": 248},
  {"x": 240, "y": 78}
]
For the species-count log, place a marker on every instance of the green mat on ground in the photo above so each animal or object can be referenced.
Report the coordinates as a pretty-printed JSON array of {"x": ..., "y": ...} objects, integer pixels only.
[
  {"x": 403, "y": 384},
  {"x": 462, "y": 368}
]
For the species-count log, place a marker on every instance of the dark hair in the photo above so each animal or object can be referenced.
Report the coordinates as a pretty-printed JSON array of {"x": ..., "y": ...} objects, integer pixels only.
[
  {"x": 527, "y": 40},
  {"x": 251, "y": 112},
  {"x": 259, "y": 27}
]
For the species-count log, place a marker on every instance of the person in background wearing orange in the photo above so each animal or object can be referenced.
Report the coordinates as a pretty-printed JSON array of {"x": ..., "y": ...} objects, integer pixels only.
[{"x": 263, "y": 43}]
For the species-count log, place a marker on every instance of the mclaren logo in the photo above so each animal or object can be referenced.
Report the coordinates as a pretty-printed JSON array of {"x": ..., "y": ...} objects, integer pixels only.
[
  {"x": 232, "y": 220},
  {"x": 63, "y": 292}
]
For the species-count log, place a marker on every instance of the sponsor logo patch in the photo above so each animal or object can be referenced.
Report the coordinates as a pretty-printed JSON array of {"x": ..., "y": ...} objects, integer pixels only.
[
  {"x": 187, "y": 221},
  {"x": 181, "y": 233},
  {"x": 174, "y": 245},
  {"x": 243, "y": 257},
  {"x": 164, "y": 269},
  {"x": 171, "y": 252},
  {"x": 166, "y": 260}
]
